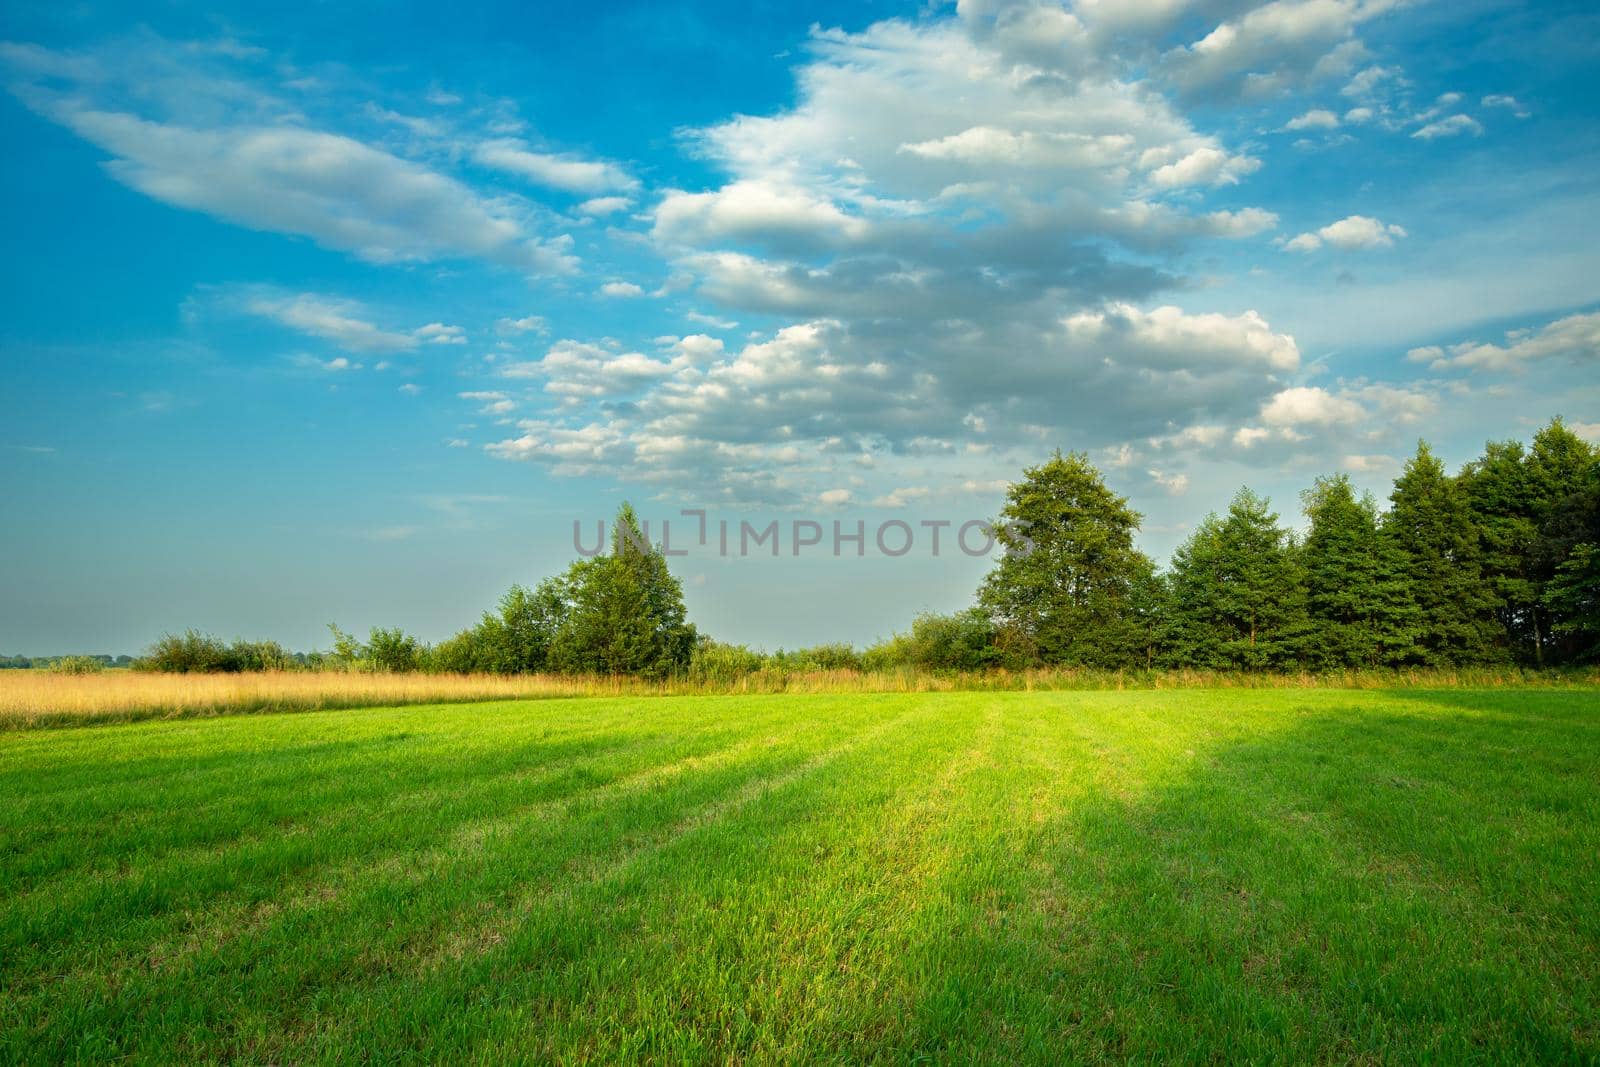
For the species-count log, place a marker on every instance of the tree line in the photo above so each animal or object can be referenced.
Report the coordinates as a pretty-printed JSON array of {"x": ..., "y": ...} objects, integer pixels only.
[{"x": 1496, "y": 565}]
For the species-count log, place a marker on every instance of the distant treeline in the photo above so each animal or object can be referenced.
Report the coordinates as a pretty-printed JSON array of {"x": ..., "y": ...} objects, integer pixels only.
[
  {"x": 1497, "y": 565},
  {"x": 101, "y": 662}
]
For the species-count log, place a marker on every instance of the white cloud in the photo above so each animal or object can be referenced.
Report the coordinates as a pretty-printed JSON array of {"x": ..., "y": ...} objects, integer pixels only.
[
  {"x": 1575, "y": 337},
  {"x": 746, "y": 208},
  {"x": 621, "y": 289},
  {"x": 1272, "y": 48},
  {"x": 526, "y": 324},
  {"x": 568, "y": 173},
  {"x": 1204, "y": 166},
  {"x": 899, "y": 497},
  {"x": 578, "y": 371},
  {"x": 239, "y": 156},
  {"x": 1449, "y": 127},
  {"x": 1166, "y": 336},
  {"x": 604, "y": 205},
  {"x": 437, "y": 333},
  {"x": 338, "y": 321},
  {"x": 337, "y": 364},
  {"x": 1316, "y": 119},
  {"x": 1173, "y": 484},
  {"x": 1352, "y": 232},
  {"x": 494, "y": 402},
  {"x": 1509, "y": 102},
  {"x": 1310, "y": 406}
]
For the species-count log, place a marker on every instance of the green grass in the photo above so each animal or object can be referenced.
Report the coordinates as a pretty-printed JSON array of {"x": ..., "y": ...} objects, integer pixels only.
[{"x": 948, "y": 877}]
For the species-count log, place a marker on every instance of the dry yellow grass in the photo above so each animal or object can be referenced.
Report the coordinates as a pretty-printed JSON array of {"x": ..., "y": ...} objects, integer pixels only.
[{"x": 39, "y": 698}]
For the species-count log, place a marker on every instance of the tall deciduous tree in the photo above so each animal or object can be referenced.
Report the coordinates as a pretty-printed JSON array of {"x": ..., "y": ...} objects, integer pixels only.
[
  {"x": 1069, "y": 595},
  {"x": 1431, "y": 525}
]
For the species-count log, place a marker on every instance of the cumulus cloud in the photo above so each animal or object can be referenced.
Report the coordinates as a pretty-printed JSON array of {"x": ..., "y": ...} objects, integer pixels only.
[
  {"x": 1350, "y": 233},
  {"x": 437, "y": 333},
  {"x": 526, "y": 324},
  {"x": 577, "y": 371},
  {"x": 604, "y": 205},
  {"x": 1310, "y": 405},
  {"x": 963, "y": 225},
  {"x": 621, "y": 289},
  {"x": 1315, "y": 119},
  {"x": 1272, "y": 48},
  {"x": 1575, "y": 337}
]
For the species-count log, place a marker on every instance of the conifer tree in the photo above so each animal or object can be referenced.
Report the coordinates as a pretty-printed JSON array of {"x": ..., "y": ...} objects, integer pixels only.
[
  {"x": 1356, "y": 597},
  {"x": 1500, "y": 492},
  {"x": 1431, "y": 525},
  {"x": 1237, "y": 592}
]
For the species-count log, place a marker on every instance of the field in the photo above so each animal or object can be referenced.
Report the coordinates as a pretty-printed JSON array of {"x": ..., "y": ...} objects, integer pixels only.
[{"x": 1291, "y": 874}]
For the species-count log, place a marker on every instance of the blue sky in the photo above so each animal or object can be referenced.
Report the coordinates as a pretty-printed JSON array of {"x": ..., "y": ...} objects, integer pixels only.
[{"x": 347, "y": 312}]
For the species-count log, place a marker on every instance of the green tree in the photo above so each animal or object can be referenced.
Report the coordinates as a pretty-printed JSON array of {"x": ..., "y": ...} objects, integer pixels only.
[
  {"x": 1237, "y": 592},
  {"x": 626, "y": 613},
  {"x": 1356, "y": 599},
  {"x": 1431, "y": 526},
  {"x": 1573, "y": 599},
  {"x": 392, "y": 650},
  {"x": 1565, "y": 473},
  {"x": 1500, "y": 491},
  {"x": 1067, "y": 579}
]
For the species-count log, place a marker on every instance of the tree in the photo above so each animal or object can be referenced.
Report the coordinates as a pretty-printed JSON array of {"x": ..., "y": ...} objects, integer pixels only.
[
  {"x": 392, "y": 650},
  {"x": 1501, "y": 494},
  {"x": 1565, "y": 473},
  {"x": 1360, "y": 614},
  {"x": 1237, "y": 593},
  {"x": 1431, "y": 526},
  {"x": 1573, "y": 598},
  {"x": 1069, "y": 596},
  {"x": 625, "y": 611}
]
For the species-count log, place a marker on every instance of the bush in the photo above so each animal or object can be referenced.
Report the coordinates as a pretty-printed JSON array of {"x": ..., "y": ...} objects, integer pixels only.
[
  {"x": 76, "y": 665},
  {"x": 716, "y": 661},
  {"x": 197, "y": 653},
  {"x": 192, "y": 653},
  {"x": 258, "y": 656},
  {"x": 965, "y": 641}
]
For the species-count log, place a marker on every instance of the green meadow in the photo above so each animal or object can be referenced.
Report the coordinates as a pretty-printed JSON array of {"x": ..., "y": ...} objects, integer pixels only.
[{"x": 1188, "y": 875}]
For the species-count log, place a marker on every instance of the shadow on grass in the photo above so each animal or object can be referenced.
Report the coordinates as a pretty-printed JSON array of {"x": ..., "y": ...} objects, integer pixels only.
[{"x": 1356, "y": 886}]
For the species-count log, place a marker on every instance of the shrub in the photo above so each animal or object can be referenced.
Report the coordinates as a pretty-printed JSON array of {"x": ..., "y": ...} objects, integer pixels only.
[
  {"x": 717, "y": 661},
  {"x": 258, "y": 656},
  {"x": 191, "y": 653},
  {"x": 76, "y": 665}
]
